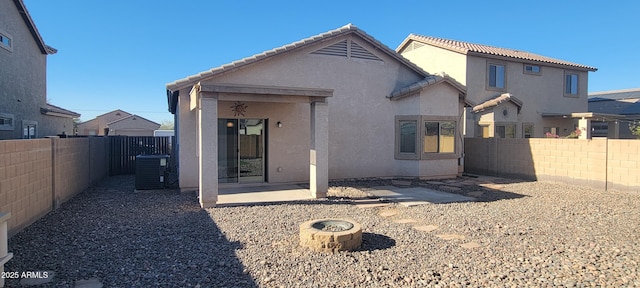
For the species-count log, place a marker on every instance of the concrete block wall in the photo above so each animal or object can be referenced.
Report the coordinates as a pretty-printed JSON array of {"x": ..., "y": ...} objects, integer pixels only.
[
  {"x": 598, "y": 163},
  {"x": 37, "y": 174},
  {"x": 25, "y": 181},
  {"x": 623, "y": 165}
]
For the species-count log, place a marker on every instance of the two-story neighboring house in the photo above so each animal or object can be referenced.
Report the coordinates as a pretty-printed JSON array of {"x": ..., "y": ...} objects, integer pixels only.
[
  {"x": 515, "y": 94},
  {"x": 24, "y": 111}
]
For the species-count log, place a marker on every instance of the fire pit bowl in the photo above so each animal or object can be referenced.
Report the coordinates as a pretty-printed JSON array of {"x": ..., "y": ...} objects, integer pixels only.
[{"x": 331, "y": 235}]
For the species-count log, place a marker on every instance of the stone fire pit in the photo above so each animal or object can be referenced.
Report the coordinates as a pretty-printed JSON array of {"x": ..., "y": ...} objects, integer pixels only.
[{"x": 331, "y": 235}]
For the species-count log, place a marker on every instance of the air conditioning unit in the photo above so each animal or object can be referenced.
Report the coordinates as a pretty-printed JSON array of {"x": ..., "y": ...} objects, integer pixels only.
[{"x": 150, "y": 171}]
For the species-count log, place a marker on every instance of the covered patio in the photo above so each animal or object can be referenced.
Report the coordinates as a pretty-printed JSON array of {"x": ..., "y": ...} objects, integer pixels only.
[{"x": 205, "y": 100}]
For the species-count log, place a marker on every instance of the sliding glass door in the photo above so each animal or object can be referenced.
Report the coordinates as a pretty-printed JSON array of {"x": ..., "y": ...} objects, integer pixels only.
[{"x": 241, "y": 150}]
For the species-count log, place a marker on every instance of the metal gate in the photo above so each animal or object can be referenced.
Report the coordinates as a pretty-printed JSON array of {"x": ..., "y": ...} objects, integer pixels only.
[{"x": 124, "y": 149}]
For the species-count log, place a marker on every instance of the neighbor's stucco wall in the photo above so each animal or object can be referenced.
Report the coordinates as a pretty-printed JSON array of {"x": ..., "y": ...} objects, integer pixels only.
[
  {"x": 539, "y": 93},
  {"x": 133, "y": 126},
  {"x": 435, "y": 60},
  {"x": 23, "y": 73}
]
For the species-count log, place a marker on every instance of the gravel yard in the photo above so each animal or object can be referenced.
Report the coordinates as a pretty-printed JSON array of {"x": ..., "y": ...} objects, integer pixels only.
[{"x": 518, "y": 234}]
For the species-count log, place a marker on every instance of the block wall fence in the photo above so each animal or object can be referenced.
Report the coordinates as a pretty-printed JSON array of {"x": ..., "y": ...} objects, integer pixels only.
[
  {"x": 608, "y": 164},
  {"x": 38, "y": 175}
]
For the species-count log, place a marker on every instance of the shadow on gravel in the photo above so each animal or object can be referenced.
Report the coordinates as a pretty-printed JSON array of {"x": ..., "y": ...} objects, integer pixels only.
[
  {"x": 373, "y": 241},
  {"x": 129, "y": 239}
]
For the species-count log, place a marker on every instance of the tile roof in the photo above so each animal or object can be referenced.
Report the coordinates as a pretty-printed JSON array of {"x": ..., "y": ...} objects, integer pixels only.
[
  {"x": 22, "y": 9},
  {"x": 349, "y": 28},
  {"x": 428, "y": 81},
  {"x": 486, "y": 50},
  {"x": 59, "y": 110},
  {"x": 497, "y": 101}
]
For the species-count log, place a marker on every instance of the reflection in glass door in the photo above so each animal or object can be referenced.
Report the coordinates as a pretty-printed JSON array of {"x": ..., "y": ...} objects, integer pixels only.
[
  {"x": 241, "y": 150},
  {"x": 227, "y": 150},
  {"x": 251, "y": 150}
]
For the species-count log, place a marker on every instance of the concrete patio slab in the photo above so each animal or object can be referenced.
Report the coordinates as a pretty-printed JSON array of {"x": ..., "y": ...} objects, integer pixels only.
[
  {"x": 417, "y": 195},
  {"x": 261, "y": 194}
]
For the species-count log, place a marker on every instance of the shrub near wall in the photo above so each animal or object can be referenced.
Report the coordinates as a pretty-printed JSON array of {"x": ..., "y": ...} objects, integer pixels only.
[
  {"x": 598, "y": 163},
  {"x": 36, "y": 175}
]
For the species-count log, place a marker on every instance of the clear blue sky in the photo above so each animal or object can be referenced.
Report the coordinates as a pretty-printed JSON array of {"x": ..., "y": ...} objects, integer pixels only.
[{"x": 119, "y": 54}]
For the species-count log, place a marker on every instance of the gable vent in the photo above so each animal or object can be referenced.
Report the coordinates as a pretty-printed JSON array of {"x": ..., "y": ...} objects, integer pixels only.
[
  {"x": 338, "y": 49},
  {"x": 359, "y": 52},
  {"x": 413, "y": 45}
]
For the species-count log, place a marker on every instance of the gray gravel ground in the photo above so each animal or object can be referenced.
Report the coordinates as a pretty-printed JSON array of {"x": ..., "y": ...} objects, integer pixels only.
[{"x": 529, "y": 234}]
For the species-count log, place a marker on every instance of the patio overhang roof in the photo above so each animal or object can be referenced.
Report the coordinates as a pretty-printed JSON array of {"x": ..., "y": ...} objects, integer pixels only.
[{"x": 584, "y": 115}]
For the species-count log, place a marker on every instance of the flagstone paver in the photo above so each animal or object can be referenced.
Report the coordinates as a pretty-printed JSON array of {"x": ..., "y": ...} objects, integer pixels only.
[{"x": 425, "y": 228}]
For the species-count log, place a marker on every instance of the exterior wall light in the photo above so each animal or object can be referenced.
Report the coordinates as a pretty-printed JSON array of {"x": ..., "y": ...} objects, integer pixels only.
[{"x": 279, "y": 124}]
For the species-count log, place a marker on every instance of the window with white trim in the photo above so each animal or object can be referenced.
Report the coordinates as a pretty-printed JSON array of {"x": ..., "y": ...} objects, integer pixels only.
[
  {"x": 505, "y": 131},
  {"x": 29, "y": 129}
]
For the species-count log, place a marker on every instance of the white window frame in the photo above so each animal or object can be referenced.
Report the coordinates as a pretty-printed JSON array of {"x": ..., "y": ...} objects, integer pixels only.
[
  {"x": 26, "y": 127},
  {"x": 504, "y": 76},
  {"x": 6, "y": 41},
  {"x": 8, "y": 127}
]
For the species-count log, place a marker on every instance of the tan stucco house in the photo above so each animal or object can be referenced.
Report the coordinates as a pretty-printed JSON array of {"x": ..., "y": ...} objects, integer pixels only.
[
  {"x": 515, "y": 94},
  {"x": 24, "y": 111},
  {"x": 118, "y": 122},
  {"x": 336, "y": 105}
]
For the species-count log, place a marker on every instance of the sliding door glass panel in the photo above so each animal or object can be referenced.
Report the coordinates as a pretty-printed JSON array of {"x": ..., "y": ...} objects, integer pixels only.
[
  {"x": 228, "y": 150},
  {"x": 251, "y": 150}
]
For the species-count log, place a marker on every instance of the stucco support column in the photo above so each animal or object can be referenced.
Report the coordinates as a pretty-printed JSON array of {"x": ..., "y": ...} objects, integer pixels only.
[
  {"x": 208, "y": 151},
  {"x": 319, "y": 161},
  {"x": 584, "y": 125}
]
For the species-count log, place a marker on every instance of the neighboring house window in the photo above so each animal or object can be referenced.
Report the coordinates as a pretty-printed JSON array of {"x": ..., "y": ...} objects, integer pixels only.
[
  {"x": 551, "y": 132},
  {"x": 505, "y": 131},
  {"x": 29, "y": 129},
  {"x": 439, "y": 137},
  {"x": 496, "y": 76},
  {"x": 5, "y": 41},
  {"x": 571, "y": 84},
  {"x": 527, "y": 130},
  {"x": 532, "y": 69},
  {"x": 6, "y": 122}
]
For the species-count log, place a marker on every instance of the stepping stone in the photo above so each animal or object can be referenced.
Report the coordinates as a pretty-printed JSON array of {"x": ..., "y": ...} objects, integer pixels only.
[
  {"x": 388, "y": 213},
  {"x": 470, "y": 182},
  {"x": 475, "y": 193},
  {"x": 435, "y": 183},
  {"x": 471, "y": 245},
  {"x": 450, "y": 188},
  {"x": 450, "y": 236},
  {"x": 492, "y": 186},
  {"x": 90, "y": 283},
  {"x": 405, "y": 221},
  {"x": 425, "y": 228},
  {"x": 369, "y": 203},
  {"x": 400, "y": 183}
]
